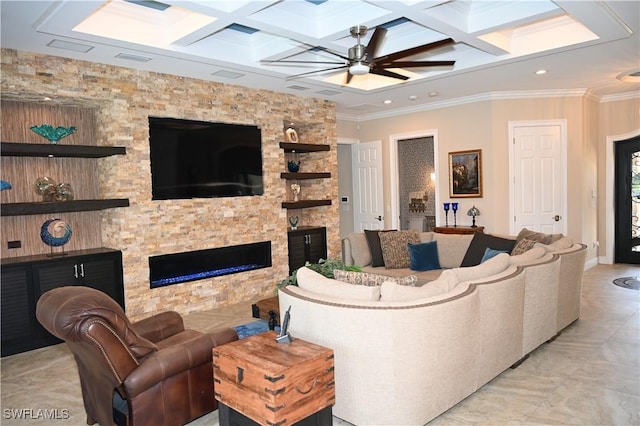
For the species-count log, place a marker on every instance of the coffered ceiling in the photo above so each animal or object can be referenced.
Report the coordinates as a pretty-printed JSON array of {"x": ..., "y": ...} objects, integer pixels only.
[{"x": 497, "y": 45}]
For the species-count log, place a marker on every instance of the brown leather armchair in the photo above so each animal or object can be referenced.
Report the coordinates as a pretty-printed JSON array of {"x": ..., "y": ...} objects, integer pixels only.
[{"x": 159, "y": 372}]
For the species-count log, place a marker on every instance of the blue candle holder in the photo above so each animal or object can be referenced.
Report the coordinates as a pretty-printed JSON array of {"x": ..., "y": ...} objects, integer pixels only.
[
  {"x": 454, "y": 207},
  {"x": 446, "y": 214}
]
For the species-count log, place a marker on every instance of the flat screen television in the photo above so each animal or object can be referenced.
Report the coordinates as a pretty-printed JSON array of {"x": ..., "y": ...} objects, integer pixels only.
[{"x": 199, "y": 159}]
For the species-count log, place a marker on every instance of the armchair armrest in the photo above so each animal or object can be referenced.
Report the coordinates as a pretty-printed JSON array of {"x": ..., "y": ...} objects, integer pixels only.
[
  {"x": 175, "y": 359},
  {"x": 160, "y": 326}
]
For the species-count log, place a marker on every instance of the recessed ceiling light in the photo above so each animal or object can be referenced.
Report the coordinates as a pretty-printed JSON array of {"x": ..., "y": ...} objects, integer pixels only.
[
  {"x": 432, "y": 94},
  {"x": 387, "y": 101},
  {"x": 413, "y": 97},
  {"x": 540, "y": 72}
]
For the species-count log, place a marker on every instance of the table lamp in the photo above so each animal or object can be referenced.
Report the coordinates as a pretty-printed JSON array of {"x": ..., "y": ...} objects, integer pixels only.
[{"x": 473, "y": 212}]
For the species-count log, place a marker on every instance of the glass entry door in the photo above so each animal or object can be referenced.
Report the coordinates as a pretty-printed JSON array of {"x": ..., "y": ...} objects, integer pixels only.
[{"x": 627, "y": 201}]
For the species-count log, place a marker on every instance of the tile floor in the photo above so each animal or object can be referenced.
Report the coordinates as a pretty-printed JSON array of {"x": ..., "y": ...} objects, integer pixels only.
[{"x": 589, "y": 375}]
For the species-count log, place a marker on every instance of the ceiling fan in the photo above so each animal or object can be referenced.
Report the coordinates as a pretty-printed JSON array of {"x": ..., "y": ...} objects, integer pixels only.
[{"x": 362, "y": 60}]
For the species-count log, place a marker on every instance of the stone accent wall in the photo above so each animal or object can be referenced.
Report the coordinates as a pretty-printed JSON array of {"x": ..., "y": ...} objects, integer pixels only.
[{"x": 123, "y": 99}]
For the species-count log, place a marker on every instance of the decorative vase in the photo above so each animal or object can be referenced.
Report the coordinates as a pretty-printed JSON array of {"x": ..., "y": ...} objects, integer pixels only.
[
  {"x": 53, "y": 134},
  {"x": 291, "y": 135},
  {"x": 295, "y": 189},
  {"x": 293, "y": 166},
  {"x": 293, "y": 221}
]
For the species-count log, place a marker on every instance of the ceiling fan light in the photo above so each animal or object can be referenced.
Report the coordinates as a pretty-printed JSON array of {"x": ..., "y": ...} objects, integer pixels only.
[{"x": 358, "y": 68}]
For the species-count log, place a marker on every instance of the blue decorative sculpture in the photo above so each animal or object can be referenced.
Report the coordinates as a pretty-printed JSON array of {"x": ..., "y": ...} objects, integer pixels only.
[
  {"x": 51, "y": 133},
  {"x": 4, "y": 185}
]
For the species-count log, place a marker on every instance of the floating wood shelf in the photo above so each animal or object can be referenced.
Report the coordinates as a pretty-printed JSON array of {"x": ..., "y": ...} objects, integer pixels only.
[
  {"x": 11, "y": 149},
  {"x": 300, "y": 176},
  {"x": 303, "y": 204},
  {"x": 304, "y": 147},
  {"x": 19, "y": 209}
]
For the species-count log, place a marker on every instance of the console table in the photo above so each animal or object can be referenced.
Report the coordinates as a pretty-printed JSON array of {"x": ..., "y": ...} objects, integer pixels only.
[
  {"x": 463, "y": 230},
  {"x": 259, "y": 381}
]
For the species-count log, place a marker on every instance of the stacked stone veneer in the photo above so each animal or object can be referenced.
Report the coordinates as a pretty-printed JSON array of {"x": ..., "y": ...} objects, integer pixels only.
[{"x": 123, "y": 99}]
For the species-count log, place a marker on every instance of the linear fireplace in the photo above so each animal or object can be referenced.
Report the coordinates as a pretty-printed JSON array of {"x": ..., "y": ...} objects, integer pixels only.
[{"x": 169, "y": 269}]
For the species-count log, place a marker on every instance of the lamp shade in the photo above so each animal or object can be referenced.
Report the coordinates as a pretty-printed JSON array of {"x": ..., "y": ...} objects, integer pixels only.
[{"x": 473, "y": 211}]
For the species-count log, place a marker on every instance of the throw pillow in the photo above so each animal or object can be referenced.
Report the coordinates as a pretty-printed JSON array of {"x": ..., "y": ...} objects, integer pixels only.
[
  {"x": 493, "y": 266},
  {"x": 479, "y": 244},
  {"x": 370, "y": 279},
  {"x": 522, "y": 246},
  {"x": 424, "y": 256},
  {"x": 395, "y": 250},
  {"x": 314, "y": 282},
  {"x": 489, "y": 253},
  {"x": 358, "y": 248},
  {"x": 538, "y": 237},
  {"x": 373, "y": 240}
]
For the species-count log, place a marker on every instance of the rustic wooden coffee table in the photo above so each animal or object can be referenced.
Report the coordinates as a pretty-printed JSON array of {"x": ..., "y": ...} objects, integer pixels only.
[{"x": 261, "y": 382}]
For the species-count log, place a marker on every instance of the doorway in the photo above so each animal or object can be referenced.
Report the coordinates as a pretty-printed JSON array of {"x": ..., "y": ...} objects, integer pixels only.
[
  {"x": 413, "y": 175},
  {"x": 627, "y": 201}
]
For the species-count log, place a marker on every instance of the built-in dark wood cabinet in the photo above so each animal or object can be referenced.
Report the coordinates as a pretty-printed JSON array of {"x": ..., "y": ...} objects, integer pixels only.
[
  {"x": 306, "y": 244},
  {"x": 25, "y": 279}
]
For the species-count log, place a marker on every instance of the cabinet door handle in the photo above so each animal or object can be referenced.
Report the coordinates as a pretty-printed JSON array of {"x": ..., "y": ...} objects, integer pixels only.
[
  {"x": 82, "y": 270},
  {"x": 75, "y": 270}
]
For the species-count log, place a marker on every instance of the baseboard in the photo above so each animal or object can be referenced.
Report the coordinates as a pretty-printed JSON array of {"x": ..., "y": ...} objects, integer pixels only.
[{"x": 591, "y": 263}]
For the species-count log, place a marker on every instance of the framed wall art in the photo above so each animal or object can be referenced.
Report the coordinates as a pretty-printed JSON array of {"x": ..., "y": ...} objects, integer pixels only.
[{"x": 465, "y": 174}]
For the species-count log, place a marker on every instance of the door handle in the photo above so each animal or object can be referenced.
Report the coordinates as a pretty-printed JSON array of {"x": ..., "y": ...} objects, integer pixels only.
[
  {"x": 378, "y": 218},
  {"x": 75, "y": 270},
  {"x": 82, "y": 270},
  {"x": 557, "y": 218}
]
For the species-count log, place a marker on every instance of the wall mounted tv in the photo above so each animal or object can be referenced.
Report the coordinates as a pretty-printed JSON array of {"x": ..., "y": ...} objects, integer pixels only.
[{"x": 199, "y": 159}]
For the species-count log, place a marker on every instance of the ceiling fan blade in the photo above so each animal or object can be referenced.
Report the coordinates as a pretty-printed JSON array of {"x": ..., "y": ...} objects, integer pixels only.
[
  {"x": 292, "y": 77},
  {"x": 349, "y": 77},
  {"x": 374, "y": 43},
  {"x": 413, "y": 51},
  {"x": 387, "y": 73},
  {"x": 414, "y": 64},
  {"x": 324, "y": 49}
]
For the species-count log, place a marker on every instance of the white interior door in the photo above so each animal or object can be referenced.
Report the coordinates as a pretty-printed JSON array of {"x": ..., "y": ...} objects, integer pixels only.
[
  {"x": 368, "y": 207},
  {"x": 538, "y": 176}
]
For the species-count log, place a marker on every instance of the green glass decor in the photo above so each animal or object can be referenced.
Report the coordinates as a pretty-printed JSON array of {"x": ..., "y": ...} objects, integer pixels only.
[{"x": 51, "y": 133}]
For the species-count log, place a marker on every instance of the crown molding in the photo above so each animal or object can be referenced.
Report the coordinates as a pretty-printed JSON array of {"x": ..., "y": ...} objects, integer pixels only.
[{"x": 489, "y": 96}]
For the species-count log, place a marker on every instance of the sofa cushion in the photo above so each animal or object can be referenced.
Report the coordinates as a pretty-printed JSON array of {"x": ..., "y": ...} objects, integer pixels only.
[
  {"x": 373, "y": 241},
  {"x": 395, "y": 248},
  {"x": 489, "y": 253},
  {"x": 451, "y": 248},
  {"x": 370, "y": 279},
  {"x": 493, "y": 266},
  {"x": 359, "y": 249},
  {"x": 392, "y": 292},
  {"x": 479, "y": 244},
  {"x": 522, "y": 246},
  {"x": 314, "y": 282},
  {"x": 424, "y": 256},
  {"x": 537, "y": 236}
]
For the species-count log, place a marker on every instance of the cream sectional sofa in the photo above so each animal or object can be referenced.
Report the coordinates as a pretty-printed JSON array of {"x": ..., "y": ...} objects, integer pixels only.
[{"x": 404, "y": 355}]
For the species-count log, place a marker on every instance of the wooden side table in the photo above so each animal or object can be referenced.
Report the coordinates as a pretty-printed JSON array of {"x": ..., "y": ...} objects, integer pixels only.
[
  {"x": 261, "y": 382},
  {"x": 463, "y": 230}
]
